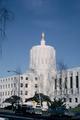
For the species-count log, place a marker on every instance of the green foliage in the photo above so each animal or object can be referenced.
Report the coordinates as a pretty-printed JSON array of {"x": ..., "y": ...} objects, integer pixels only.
[
  {"x": 12, "y": 100},
  {"x": 57, "y": 103},
  {"x": 76, "y": 109}
]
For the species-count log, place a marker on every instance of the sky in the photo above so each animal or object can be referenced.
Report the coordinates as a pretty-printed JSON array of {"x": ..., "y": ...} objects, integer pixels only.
[{"x": 58, "y": 19}]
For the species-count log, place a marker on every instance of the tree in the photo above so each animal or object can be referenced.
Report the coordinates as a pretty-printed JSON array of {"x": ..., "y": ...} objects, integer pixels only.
[
  {"x": 39, "y": 98},
  {"x": 57, "y": 103},
  {"x": 13, "y": 100}
]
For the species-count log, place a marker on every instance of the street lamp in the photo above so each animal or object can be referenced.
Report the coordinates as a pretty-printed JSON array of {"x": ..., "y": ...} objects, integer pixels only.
[{"x": 18, "y": 73}]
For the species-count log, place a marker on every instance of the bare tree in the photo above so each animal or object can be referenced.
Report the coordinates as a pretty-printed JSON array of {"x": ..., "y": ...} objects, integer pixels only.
[{"x": 5, "y": 17}]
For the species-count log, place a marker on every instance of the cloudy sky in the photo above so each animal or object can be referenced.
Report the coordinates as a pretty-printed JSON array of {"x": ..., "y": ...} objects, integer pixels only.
[{"x": 59, "y": 19}]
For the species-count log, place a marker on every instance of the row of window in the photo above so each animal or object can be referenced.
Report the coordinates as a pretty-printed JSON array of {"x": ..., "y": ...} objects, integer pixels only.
[
  {"x": 14, "y": 78},
  {"x": 14, "y": 85},
  {"x": 65, "y": 83},
  {"x": 12, "y": 93},
  {"x": 26, "y": 85},
  {"x": 7, "y": 93},
  {"x": 8, "y": 79},
  {"x": 8, "y": 86},
  {"x": 21, "y": 92},
  {"x": 70, "y": 100}
]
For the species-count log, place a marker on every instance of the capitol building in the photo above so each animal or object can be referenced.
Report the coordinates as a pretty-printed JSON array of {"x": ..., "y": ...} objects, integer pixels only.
[{"x": 43, "y": 77}]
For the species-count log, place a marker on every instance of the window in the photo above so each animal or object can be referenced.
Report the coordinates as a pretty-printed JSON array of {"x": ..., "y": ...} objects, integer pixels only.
[
  {"x": 36, "y": 78},
  {"x": 21, "y": 92},
  {"x": 11, "y": 78},
  {"x": 60, "y": 83},
  {"x": 77, "y": 82},
  {"x": 8, "y": 92},
  {"x": 5, "y": 93},
  {"x": 66, "y": 83},
  {"x": 55, "y": 83},
  {"x": 64, "y": 99},
  {"x": 14, "y": 84},
  {"x": 8, "y": 85},
  {"x": 21, "y": 78},
  {"x": 36, "y": 85},
  {"x": 21, "y": 84},
  {"x": 26, "y": 92},
  {"x": 76, "y": 99},
  {"x": 71, "y": 82},
  {"x": 11, "y": 85},
  {"x": 70, "y": 99},
  {"x": 26, "y": 78},
  {"x": 11, "y": 92},
  {"x": 26, "y": 85},
  {"x": 14, "y": 78},
  {"x": 3, "y": 86}
]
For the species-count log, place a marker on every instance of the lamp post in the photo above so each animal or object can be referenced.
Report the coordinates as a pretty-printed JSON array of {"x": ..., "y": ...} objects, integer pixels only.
[
  {"x": 18, "y": 73},
  {"x": 34, "y": 71}
]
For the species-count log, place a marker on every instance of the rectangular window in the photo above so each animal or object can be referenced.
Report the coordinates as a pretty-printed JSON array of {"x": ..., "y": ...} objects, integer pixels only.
[
  {"x": 14, "y": 84},
  {"x": 21, "y": 84},
  {"x": 76, "y": 99},
  {"x": 11, "y": 92},
  {"x": 26, "y": 78},
  {"x": 36, "y": 85},
  {"x": 26, "y": 85},
  {"x": 8, "y": 85},
  {"x": 66, "y": 83},
  {"x": 21, "y": 92},
  {"x": 71, "y": 82},
  {"x": 55, "y": 83},
  {"x": 21, "y": 78},
  {"x": 77, "y": 82},
  {"x": 70, "y": 99},
  {"x": 36, "y": 78},
  {"x": 64, "y": 99},
  {"x": 8, "y": 92},
  {"x": 11, "y": 85},
  {"x": 26, "y": 92},
  {"x": 60, "y": 83}
]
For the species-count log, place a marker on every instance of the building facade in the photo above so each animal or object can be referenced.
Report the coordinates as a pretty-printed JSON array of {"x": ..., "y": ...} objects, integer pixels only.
[{"x": 42, "y": 77}]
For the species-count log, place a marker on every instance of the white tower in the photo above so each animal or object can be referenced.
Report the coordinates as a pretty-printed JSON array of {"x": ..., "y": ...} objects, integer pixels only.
[{"x": 43, "y": 61}]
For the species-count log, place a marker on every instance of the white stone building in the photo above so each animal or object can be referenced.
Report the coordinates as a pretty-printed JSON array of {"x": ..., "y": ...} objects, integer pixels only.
[{"x": 42, "y": 77}]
